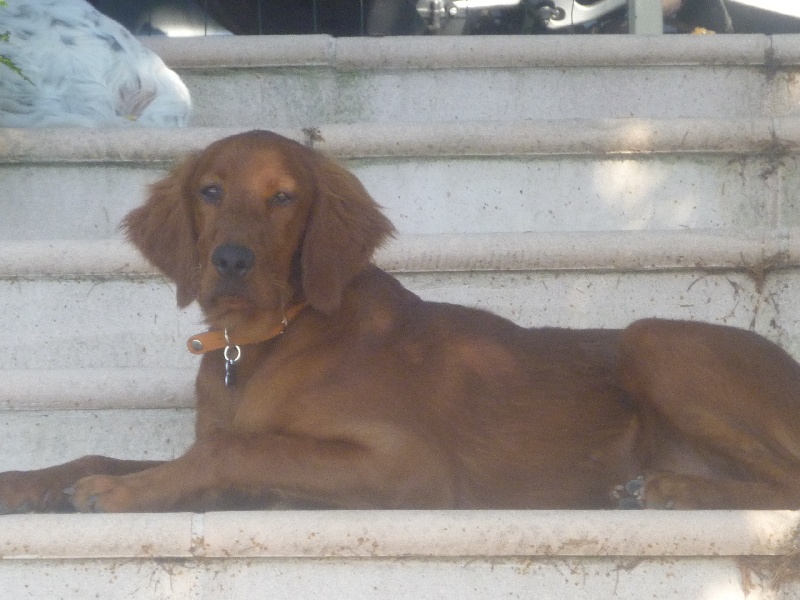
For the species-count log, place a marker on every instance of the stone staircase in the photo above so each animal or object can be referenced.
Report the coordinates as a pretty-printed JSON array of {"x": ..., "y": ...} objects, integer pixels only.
[{"x": 572, "y": 181}]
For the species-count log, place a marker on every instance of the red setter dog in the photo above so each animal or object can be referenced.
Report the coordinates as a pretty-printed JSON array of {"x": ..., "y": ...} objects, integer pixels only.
[{"x": 325, "y": 383}]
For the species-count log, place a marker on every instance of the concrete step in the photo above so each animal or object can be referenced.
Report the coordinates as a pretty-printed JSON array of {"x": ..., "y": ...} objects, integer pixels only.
[
  {"x": 307, "y": 81},
  {"x": 567, "y": 175},
  {"x": 543, "y": 555}
]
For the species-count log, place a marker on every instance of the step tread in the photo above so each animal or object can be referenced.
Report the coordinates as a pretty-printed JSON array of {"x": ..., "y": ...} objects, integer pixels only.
[
  {"x": 444, "y": 52},
  {"x": 384, "y": 534}
]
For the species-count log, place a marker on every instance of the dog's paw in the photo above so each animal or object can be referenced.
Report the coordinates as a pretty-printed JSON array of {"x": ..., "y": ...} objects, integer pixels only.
[
  {"x": 631, "y": 495},
  {"x": 101, "y": 493},
  {"x": 667, "y": 491},
  {"x": 26, "y": 491},
  {"x": 657, "y": 490}
]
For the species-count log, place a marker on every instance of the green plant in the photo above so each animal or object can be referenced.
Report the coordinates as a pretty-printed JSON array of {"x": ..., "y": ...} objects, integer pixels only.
[{"x": 4, "y": 60}]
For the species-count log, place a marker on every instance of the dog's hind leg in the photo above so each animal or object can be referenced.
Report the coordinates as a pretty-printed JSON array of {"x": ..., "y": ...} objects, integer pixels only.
[{"x": 719, "y": 412}]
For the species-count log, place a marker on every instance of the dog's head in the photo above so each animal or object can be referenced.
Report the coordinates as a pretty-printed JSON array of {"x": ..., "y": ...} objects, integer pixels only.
[{"x": 254, "y": 223}]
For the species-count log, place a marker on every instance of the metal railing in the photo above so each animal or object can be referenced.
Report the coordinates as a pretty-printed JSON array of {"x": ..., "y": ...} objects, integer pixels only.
[{"x": 180, "y": 18}]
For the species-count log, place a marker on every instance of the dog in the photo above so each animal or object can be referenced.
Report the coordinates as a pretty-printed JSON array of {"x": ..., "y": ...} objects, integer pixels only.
[{"x": 325, "y": 383}]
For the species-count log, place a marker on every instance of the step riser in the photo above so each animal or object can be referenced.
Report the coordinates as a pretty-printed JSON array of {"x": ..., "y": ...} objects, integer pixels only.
[
  {"x": 477, "y": 579},
  {"x": 120, "y": 324},
  {"x": 80, "y": 202},
  {"x": 37, "y": 439},
  {"x": 448, "y": 195},
  {"x": 315, "y": 80},
  {"x": 294, "y": 98},
  {"x": 523, "y": 176},
  {"x": 95, "y": 324}
]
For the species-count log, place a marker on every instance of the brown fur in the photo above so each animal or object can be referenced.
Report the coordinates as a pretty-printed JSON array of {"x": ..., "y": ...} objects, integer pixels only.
[{"x": 373, "y": 398}]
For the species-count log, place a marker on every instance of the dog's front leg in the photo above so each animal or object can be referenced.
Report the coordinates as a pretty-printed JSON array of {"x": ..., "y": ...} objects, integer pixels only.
[
  {"x": 173, "y": 485},
  {"x": 396, "y": 471},
  {"x": 42, "y": 490}
]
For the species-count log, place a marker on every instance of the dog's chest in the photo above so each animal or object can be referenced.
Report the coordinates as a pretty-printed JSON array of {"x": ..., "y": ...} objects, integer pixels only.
[{"x": 268, "y": 387}]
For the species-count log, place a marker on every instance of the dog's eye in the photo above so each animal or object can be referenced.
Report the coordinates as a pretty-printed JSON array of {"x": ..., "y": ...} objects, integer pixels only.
[
  {"x": 281, "y": 199},
  {"x": 211, "y": 194}
]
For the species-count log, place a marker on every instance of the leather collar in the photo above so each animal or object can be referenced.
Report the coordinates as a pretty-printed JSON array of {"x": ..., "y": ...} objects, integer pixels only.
[{"x": 216, "y": 340}]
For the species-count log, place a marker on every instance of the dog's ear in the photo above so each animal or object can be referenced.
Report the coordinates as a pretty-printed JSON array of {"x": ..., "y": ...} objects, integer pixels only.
[
  {"x": 345, "y": 228},
  {"x": 163, "y": 231}
]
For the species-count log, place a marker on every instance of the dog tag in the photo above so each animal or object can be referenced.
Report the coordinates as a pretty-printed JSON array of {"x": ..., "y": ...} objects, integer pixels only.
[
  {"x": 230, "y": 373},
  {"x": 233, "y": 355}
]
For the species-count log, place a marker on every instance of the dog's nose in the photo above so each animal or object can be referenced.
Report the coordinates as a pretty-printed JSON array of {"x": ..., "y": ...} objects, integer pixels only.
[{"x": 232, "y": 260}]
